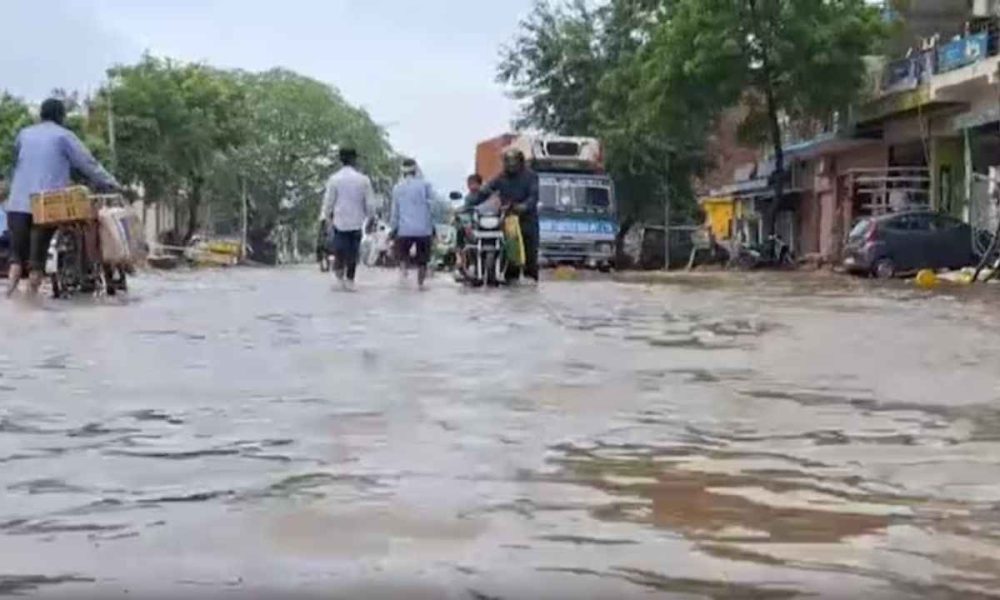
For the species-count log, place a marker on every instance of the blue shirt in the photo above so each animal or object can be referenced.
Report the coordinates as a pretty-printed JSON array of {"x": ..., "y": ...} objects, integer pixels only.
[
  {"x": 411, "y": 208},
  {"x": 44, "y": 154}
]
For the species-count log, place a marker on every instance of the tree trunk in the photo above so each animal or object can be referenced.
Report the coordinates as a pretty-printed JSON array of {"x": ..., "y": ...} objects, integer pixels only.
[
  {"x": 767, "y": 85},
  {"x": 779, "y": 163},
  {"x": 623, "y": 229},
  {"x": 194, "y": 204}
]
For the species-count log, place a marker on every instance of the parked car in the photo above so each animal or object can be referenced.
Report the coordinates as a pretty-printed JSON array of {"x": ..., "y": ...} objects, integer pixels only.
[{"x": 901, "y": 243}]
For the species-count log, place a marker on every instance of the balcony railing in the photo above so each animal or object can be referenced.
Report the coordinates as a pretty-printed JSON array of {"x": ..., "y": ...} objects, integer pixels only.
[
  {"x": 915, "y": 70},
  {"x": 895, "y": 189}
]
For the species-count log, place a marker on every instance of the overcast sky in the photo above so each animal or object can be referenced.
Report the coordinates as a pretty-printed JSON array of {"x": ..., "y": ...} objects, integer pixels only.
[{"x": 424, "y": 69}]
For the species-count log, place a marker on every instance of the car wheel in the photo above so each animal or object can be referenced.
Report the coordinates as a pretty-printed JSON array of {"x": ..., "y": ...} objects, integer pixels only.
[{"x": 884, "y": 268}]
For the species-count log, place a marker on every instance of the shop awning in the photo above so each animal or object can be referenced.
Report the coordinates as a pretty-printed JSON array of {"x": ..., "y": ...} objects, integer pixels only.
[{"x": 976, "y": 119}]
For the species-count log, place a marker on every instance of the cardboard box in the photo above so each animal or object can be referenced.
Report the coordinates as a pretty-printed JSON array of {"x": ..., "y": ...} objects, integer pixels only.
[{"x": 62, "y": 206}]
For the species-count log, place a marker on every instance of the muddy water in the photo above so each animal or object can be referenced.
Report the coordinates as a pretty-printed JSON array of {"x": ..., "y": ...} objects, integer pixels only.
[{"x": 244, "y": 433}]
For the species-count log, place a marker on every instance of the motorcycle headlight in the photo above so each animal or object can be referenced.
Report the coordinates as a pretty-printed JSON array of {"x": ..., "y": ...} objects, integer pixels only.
[{"x": 489, "y": 222}]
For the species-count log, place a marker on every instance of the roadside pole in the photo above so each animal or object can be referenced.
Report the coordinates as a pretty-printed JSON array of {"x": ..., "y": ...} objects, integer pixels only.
[
  {"x": 244, "y": 219},
  {"x": 112, "y": 141},
  {"x": 666, "y": 218}
]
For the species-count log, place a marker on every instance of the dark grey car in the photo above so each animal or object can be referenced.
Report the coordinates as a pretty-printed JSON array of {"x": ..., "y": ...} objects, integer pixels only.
[{"x": 903, "y": 243}]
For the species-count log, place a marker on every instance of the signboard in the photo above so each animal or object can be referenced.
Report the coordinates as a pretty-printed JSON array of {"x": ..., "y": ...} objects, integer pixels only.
[
  {"x": 963, "y": 52},
  {"x": 577, "y": 226},
  {"x": 908, "y": 73}
]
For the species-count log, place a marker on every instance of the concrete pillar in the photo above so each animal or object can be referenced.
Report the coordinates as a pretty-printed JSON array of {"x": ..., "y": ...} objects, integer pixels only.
[{"x": 969, "y": 172}]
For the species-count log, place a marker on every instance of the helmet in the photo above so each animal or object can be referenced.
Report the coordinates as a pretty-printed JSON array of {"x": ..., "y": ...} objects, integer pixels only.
[{"x": 513, "y": 160}]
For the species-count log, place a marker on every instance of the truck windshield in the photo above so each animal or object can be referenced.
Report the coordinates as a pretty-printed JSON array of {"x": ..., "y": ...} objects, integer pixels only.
[{"x": 575, "y": 194}]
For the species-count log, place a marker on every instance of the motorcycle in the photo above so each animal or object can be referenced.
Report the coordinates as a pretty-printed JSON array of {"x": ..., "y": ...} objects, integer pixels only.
[
  {"x": 444, "y": 252},
  {"x": 775, "y": 253},
  {"x": 483, "y": 254}
]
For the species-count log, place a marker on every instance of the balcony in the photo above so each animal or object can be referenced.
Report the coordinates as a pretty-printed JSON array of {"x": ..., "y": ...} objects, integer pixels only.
[
  {"x": 945, "y": 64},
  {"x": 895, "y": 189}
]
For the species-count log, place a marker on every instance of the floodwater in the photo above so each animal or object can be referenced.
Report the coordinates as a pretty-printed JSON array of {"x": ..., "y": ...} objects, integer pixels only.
[{"x": 247, "y": 433}]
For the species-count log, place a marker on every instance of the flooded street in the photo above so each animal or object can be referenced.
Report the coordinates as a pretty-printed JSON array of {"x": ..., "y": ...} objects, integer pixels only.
[{"x": 242, "y": 433}]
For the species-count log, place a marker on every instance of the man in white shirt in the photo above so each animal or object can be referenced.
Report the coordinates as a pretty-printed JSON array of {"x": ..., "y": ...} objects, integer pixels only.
[{"x": 349, "y": 193}]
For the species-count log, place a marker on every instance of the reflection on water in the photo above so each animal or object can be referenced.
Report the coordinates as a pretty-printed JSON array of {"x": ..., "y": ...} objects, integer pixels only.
[{"x": 763, "y": 437}]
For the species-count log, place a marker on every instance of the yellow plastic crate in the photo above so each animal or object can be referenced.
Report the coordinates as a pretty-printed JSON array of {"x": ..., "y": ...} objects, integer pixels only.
[{"x": 62, "y": 206}]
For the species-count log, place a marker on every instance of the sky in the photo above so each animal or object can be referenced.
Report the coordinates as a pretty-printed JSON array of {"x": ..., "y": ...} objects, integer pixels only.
[{"x": 423, "y": 69}]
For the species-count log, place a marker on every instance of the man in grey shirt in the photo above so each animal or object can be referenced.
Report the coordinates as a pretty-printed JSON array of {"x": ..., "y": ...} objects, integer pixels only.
[
  {"x": 349, "y": 193},
  {"x": 412, "y": 221},
  {"x": 44, "y": 155}
]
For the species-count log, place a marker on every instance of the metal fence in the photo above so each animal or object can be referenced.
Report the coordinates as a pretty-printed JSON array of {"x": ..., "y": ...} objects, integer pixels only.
[
  {"x": 894, "y": 189},
  {"x": 984, "y": 213}
]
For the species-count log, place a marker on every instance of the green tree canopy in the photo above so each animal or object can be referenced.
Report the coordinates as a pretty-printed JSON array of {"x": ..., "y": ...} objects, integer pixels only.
[
  {"x": 294, "y": 127},
  {"x": 574, "y": 70},
  {"x": 781, "y": 59},
  {"x": 652, "y": 78},
  {"x": 174, "y": 122},
  {"x": 14, "y": 115}
]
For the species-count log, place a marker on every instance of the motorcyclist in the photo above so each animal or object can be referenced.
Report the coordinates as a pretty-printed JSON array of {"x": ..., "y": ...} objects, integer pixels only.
[
  {"x": 474, "y": 183},
  {"x": 463, "y": 218},
  {"x": 517, "y": 187}
]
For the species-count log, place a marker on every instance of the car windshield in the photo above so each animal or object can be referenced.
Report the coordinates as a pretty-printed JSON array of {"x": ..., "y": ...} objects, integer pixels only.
[
  {"x": 860, "y": 230},
  {"x": 572, "y": 194}
]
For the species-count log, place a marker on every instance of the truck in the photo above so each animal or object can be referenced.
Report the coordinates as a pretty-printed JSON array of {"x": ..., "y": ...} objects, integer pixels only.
[{"x": 576, "y": 208}]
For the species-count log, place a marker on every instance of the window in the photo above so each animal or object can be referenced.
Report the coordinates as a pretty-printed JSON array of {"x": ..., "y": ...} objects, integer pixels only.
[
  {"x": 945, "y": 223},
  {"x": 860, "y": 230},
  {"x": 598, "y": 197},
  {"x": 574, "y": 194},
  {"x": 899, "y": 223},
  {"x": 547, "y": 195},
  {"x": 922, "y": 223},
  {"x": 914, "y": 223}
]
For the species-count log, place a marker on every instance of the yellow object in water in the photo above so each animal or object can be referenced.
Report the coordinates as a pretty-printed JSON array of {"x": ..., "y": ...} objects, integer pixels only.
[
  {"x": 227, "y": 248},
  {"x": 565, "y": 273},
  {"x": 514, "y": 241},
  {"x": 927, "y": 279}
]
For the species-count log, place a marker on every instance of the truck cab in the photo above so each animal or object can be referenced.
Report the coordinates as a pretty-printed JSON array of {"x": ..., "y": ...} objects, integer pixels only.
[
  {"x": 576, "y": 213},
  {"x": 577, "y": 207}
]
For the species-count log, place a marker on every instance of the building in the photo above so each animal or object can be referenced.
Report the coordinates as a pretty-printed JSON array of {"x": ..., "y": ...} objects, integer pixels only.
[{"x": 926, "y": 139}]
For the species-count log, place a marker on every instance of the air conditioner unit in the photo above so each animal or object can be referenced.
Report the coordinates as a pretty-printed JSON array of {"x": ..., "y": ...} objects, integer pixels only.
[
  {"x": 560, "y": 152},
  {"x": 985, "y": 8}
]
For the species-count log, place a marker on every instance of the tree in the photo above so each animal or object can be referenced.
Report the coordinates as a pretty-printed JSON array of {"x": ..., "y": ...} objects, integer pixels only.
[
  {"x": 174, "y": 123},
  {"x": 782, "y": 59},
  {"x": 651, "y": 153},
  {"x": 295, "y": 125},
  {"x": 14, "y": 116},
  {"x": 553, "y": 67},
  {"x": 576, "y": 69}
]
